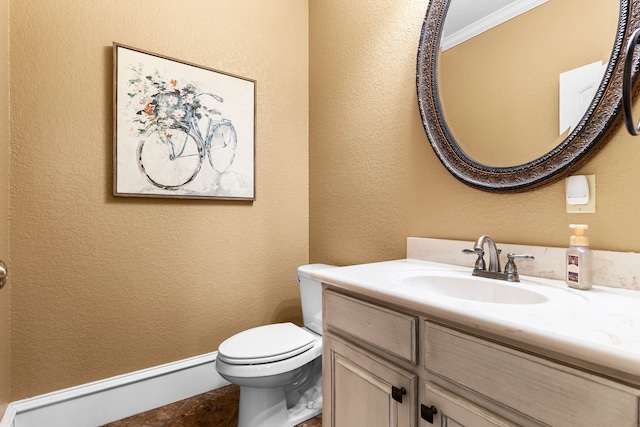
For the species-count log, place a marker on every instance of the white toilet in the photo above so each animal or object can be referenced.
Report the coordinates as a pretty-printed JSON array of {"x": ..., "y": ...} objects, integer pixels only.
[{"x": 279, "y": 367}]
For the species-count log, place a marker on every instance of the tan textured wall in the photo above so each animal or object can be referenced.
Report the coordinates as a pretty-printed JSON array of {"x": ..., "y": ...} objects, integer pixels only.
[
  {"x": 374, "y": 180},
  {"x": 105, "y": 285},
  {"x": 5, "y": 349}
]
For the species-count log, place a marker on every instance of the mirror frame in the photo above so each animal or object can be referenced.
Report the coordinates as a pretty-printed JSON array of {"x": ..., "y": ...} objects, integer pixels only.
[{"x": 597, "y": 126}]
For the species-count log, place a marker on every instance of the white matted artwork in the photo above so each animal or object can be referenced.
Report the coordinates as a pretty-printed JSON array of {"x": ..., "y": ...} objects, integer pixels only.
[{"x": 180, "y": 129}]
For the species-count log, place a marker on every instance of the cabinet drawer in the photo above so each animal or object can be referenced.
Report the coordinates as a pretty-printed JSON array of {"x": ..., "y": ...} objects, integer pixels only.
[
  {"x": 545, "y": 391},
  {"x": 390, "y": 330}
]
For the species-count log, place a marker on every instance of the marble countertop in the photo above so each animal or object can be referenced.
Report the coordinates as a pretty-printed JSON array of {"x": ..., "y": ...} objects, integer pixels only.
[{"x": 597, "y": 329}]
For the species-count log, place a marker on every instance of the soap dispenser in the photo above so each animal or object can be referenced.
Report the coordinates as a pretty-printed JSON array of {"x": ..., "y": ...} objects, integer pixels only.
[{"x": 579, "y": 259}]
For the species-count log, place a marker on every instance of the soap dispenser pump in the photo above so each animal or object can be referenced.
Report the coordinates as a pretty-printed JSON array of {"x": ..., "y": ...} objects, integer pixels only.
[{"x": 579, "y": 259}]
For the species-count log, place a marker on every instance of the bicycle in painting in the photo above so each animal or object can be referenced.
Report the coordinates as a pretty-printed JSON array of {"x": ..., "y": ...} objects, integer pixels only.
[{"x": 178, "y": 127}]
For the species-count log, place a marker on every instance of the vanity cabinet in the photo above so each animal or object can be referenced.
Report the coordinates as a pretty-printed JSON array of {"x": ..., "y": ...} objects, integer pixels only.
[{"x": 384, "y": 366}]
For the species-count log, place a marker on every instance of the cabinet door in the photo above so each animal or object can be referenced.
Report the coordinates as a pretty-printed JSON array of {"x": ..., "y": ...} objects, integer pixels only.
[
  {"x": 362, "y": 390},
  {"x": 450, "y": 410}
]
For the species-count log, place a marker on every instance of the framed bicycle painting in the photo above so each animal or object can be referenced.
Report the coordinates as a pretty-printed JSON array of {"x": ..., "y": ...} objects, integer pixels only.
[{"x": 180, "y": 129}]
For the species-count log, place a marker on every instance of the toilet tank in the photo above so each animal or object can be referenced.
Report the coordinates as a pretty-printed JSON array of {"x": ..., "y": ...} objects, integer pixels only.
[{"x": 311, "y": 296}]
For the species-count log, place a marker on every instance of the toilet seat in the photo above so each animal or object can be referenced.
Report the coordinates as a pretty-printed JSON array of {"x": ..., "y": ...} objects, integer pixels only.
[{"x": 266, "y": 344}]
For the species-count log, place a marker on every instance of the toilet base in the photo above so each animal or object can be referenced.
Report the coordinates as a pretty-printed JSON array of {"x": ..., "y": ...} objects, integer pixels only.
[{"x": 267, "y": 407}]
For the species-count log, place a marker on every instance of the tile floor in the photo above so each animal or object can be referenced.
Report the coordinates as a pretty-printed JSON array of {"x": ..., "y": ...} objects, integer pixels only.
[{"x": 217, "y": 408}]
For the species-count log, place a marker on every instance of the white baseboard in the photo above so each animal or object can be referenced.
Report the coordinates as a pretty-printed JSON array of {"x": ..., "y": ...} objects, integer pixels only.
[{"x": 112, "y": 399}]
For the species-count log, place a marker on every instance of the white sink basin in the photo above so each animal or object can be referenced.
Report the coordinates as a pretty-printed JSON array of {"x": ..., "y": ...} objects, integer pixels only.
[{"x": 467, "y": 287}]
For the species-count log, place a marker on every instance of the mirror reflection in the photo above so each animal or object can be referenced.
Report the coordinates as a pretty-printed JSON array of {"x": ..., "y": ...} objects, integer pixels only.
[{"x": 500, "y": 89}]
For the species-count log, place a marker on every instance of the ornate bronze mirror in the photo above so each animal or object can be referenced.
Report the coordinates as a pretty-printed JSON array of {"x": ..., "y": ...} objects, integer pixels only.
[{"x": 466, "y": 91}]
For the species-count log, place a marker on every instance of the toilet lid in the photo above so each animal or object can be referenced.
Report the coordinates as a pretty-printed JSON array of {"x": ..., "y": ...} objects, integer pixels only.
[{"x": 266, "y": 344}]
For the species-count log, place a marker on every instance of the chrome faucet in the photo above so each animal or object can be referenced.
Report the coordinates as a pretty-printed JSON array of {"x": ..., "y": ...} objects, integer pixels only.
[
  {"x": 510, "y": 273},
  {"x": 494, "y": 252}
]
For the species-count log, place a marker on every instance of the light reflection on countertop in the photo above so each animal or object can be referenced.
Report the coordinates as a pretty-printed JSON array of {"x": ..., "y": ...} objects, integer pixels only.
[{"x": 600, "y": 327}]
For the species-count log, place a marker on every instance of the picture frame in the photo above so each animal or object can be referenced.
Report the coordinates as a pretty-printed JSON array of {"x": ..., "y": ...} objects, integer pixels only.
[{"x": 181, "y": 130}]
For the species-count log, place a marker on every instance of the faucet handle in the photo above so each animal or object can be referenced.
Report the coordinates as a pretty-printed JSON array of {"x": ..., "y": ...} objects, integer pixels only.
[
  {"x": 474, "y": 251},
  {"x": 480, "y": 265},
  {"x": 512, "y": 256},
  {"x": 511, "y": 270}
]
